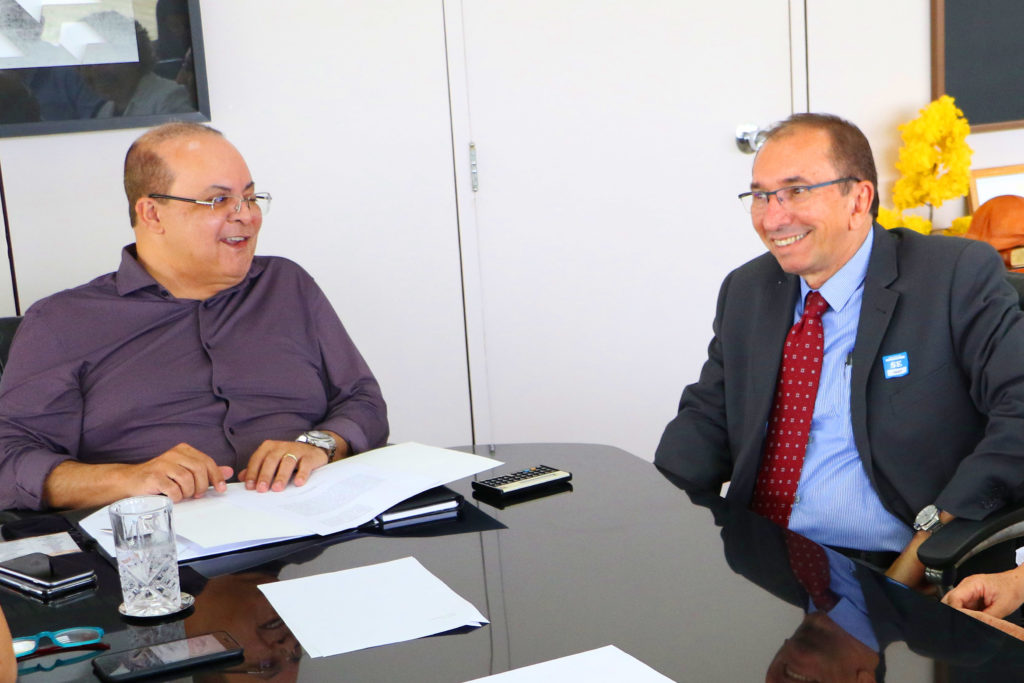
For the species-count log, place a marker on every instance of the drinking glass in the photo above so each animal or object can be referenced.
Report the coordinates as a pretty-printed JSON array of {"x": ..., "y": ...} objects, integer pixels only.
[{"x": 147, "y": 558}]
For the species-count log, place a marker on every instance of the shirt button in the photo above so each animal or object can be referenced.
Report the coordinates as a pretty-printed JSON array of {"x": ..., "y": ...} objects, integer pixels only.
[{"x": 231, "y": 430}]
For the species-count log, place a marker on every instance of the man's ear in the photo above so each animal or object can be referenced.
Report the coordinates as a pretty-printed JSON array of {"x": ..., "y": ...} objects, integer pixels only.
[
  {"x": 147, "y": 215},
  {"x": 864, "y": 195}
]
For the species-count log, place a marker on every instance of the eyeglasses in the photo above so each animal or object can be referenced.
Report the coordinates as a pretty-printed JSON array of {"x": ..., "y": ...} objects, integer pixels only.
[
  {"x": 757, "y": 200},
  {"x": 228, "y": 203},
  {"x": 66, "y": 638},
  {"x": 81, "y": 653}
]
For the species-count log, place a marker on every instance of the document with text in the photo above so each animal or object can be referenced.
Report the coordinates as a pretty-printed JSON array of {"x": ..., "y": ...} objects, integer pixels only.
[{"x": 339, "y": 496}]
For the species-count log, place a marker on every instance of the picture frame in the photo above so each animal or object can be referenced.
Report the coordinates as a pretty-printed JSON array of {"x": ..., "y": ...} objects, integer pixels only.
[
  {"x": 115, "y": 64},
  {"x": 977, "y": 56},
  {"x": 987, "y": 183}
]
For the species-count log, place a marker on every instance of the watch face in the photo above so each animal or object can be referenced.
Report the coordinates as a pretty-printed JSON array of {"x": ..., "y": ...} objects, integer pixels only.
[{"x": 926, "y": 517}]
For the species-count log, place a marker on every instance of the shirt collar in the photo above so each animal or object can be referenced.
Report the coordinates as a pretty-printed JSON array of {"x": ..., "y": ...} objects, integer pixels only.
[
  {"x": 131, "y": 276},
  {"x": 839, "y": 288}
]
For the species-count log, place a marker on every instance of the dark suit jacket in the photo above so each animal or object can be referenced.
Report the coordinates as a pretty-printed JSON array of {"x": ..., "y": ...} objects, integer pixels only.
[{"x": 949, "y": 432}]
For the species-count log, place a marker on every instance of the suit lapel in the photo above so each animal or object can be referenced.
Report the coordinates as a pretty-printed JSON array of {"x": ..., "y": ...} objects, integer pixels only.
[
  {"x": 774, "y": 313},
  {"x": 876, "y": 313}
]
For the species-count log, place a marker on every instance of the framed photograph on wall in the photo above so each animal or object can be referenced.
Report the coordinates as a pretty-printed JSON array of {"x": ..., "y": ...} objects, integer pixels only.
[
  {"x": 987, "y": 183},
  {"x": 104, "y": 64}
]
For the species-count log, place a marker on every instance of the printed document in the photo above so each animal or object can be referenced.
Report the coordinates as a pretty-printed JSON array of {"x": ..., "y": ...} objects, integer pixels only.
[{"x": 337, "y": 497}]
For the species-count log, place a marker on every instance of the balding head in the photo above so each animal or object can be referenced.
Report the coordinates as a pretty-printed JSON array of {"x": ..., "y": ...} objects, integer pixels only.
[{"x": 145, "y": 171}]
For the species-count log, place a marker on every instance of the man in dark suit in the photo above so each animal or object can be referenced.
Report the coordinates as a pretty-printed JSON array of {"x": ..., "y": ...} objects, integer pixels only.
[{"x": 919, "y": 413}]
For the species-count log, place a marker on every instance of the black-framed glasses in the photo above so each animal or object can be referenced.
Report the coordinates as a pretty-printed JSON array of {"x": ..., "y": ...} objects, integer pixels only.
[
  {"x": 77, "y": 636},
  {"x": 757, "y": 200},
  {"x": 227, "y": 203}
]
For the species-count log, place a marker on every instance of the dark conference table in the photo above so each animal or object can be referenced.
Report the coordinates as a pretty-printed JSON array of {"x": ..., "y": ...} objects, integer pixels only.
[{"x": 699, "y": 593}]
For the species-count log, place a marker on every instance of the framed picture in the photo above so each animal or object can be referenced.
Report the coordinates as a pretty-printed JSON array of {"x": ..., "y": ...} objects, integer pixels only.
[
  {"x": 987, "y": 183},
  {"x": 85, "y": 66},
  {"x": 977, "y": 58}
]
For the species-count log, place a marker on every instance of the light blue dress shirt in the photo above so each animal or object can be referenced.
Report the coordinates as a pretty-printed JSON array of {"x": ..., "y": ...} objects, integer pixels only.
[{"x": 835, "y": 502}]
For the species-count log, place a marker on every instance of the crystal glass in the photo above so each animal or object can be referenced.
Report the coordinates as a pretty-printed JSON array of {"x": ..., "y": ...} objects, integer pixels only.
[{"x": 147, "y": 558}]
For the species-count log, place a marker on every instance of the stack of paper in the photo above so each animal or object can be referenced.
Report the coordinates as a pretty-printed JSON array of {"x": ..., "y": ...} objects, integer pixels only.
[
  {"x": 379, "y": 604},
  {"x": 337, "y": 497}
]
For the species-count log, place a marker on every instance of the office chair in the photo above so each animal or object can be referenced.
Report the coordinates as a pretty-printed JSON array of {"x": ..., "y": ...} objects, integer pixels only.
[
  {"x": 7, "y": 328},
  {"x": 965, "y": 547}
]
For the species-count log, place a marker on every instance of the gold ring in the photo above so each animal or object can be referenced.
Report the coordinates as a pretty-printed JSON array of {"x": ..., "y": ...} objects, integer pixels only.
[{"x": 293, "y": 457}]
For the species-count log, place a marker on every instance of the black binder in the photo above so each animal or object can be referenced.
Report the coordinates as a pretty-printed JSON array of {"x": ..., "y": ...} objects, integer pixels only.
[{"x": 433, "y": 505}]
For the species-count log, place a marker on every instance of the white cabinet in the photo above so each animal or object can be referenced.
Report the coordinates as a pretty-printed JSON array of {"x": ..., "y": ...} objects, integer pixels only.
[{"x": 606, "y": 214}]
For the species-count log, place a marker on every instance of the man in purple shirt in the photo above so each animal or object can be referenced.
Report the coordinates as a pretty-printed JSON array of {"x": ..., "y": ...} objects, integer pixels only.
[{"x": 193, "y": 361}]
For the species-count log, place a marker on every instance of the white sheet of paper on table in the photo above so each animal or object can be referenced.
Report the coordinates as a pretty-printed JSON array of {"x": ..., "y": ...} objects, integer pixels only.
[
  {"x": 607, "y": 664},
  {"x": 368, "y": 606}
]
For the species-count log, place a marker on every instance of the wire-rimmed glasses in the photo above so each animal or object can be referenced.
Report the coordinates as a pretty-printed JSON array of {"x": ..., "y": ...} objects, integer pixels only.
[
  {"x": 226, "y": 203},
  {"x": 757, "y": 200}
]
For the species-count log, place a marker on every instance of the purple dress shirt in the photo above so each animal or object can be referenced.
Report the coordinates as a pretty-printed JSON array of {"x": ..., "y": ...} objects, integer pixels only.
[{"x": 119, "y": 370}]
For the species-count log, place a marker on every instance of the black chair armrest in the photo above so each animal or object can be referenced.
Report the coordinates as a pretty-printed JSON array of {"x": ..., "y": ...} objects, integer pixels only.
[{"x": 960, "y": 540}]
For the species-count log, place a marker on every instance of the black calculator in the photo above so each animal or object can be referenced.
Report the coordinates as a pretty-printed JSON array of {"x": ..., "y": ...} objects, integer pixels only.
[{"x": 521, "y": 482}]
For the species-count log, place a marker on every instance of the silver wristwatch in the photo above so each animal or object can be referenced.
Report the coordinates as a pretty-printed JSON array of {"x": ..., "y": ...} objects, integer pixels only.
[
  {"x": 928, "y": 519},
  {"x": 320, "y": 440}
]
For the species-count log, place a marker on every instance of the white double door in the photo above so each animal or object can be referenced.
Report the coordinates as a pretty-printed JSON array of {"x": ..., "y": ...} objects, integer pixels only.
[{"x": 605, "y": 215}]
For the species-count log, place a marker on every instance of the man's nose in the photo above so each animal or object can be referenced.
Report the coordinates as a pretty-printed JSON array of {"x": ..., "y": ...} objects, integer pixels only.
[
  {"x": 774, "y": 212},
  {"x": 246, "y": 213}
]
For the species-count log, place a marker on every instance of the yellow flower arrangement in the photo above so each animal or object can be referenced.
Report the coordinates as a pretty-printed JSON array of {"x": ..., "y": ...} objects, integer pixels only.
[
  {"x": 960, "y": 226},
  {"x": 890, "y": 219},
  {"x": 934, "y": 160}
]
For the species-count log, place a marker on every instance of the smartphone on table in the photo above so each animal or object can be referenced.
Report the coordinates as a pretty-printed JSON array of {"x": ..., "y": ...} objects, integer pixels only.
[
  {"x": 45, "y": 577},
  {"x": 168, "y": 658}
]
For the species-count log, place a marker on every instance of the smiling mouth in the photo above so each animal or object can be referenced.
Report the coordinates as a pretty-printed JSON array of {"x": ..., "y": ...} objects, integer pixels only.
[
  {"x": 789, "y": 240},
  {"x": 792, "y": 675},
  {"x": 235, "y": 240}
]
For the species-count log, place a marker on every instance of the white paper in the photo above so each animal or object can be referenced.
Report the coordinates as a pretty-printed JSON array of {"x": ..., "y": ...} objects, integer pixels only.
[
  {"x": 339, "y": 496},
  {"x": 368, "y": 606},
  {"x": 51, "y": 544},
  {"x": 608, "y": 664}
]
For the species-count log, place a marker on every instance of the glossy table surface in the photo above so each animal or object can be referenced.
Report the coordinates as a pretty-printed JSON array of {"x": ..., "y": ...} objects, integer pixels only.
[{"x": 699, "y": 593}]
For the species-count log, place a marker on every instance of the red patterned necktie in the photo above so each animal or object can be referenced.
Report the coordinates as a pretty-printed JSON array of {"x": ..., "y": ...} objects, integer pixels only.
[
  {"x": 790, "y": 423},
  {"x": 810, "y": 567}
]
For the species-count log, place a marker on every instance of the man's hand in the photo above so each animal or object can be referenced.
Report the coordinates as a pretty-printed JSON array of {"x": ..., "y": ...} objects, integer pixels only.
[
  {"x": 992, "y": 594},
  {"x": 275, "y": 463},
  {"x": 182, "y": 472}
]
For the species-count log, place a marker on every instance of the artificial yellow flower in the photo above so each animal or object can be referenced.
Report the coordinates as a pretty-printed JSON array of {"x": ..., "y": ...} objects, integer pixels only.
[
  {"x": 960, "y": 225},
  {"x": 934, "y": 160},
  {"x": 890, "y": 219}
]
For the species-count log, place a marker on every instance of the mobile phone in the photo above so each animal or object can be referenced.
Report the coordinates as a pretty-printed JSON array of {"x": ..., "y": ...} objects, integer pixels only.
[
  {"x": 167, "y": 658},
  {"x": 47, "y": 577}
]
